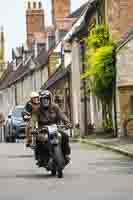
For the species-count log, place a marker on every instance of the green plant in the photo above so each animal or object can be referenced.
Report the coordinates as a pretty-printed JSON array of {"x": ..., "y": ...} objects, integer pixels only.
[
  {"x": 101, "y": 69},
  {"x": 107, "y": 124}
]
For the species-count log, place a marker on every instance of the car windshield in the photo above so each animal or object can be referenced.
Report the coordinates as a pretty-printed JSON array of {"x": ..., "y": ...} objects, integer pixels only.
[{"x": 18, "y": 113}]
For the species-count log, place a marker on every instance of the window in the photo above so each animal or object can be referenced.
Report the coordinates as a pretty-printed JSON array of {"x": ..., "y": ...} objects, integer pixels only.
[{"x": 17, "y": 113}]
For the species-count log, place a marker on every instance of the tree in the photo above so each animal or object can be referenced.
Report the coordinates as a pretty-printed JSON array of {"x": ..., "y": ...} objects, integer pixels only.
[{"x": 101, "y": 70}]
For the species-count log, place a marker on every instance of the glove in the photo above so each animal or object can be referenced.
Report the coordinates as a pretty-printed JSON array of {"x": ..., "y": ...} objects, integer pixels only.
[
  {"x": 26, "y": 116},
  {"x": 69, "y": 125}
]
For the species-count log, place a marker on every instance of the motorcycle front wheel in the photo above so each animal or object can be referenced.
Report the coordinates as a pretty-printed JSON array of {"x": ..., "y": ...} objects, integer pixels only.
[{"x": 59, "y": 160}]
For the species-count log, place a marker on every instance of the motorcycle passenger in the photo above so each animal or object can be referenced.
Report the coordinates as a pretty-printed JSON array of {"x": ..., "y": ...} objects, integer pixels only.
[
  {"x": 31, "y": 110},
  {"x": 49, "y": 114}
]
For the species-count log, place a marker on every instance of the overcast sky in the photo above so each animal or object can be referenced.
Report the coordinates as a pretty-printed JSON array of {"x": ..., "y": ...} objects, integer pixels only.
[{"x": 12, "y": 16}]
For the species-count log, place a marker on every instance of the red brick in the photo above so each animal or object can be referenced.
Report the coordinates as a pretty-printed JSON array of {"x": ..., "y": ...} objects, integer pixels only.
[
  {"x": 60, "y": 10},
  {"x": 34, "y": 23}
]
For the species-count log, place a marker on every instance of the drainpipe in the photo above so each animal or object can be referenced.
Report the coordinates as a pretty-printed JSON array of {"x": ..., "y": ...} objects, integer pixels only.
[
  {"x": 69, "y": 85},
  {"x": 84, "y": 89},
  {"x": 62, "y": 55},
  {"x": 114, "y": 97},
  {"x": 15, "y": 95}
]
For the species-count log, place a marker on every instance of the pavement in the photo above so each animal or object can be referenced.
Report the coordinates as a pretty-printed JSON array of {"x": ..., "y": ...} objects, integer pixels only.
[
  {"x": 94, "y": 174},
  {"x": 122, "y": 145}
]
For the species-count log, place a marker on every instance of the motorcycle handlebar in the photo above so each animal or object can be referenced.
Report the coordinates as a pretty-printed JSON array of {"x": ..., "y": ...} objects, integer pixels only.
[
  {"x": 45, "y": 128},
  {"x": 58, "y": 126}
]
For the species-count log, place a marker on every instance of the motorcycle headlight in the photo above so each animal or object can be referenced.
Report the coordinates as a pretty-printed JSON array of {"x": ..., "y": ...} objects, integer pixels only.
[
  {"x": 59, "y": 134},
  {"x": 46, "y": 137}
]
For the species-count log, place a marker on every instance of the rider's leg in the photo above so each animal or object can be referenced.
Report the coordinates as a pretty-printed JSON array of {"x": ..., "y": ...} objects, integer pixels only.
[{"x": 28, "y": 135}]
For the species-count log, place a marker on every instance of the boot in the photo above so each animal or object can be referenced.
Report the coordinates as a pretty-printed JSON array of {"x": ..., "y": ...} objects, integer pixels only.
[
  {"x": 67, "y": 159},
  {"x": 27, "y": 145},
  {"x": 39, "y": 163}
]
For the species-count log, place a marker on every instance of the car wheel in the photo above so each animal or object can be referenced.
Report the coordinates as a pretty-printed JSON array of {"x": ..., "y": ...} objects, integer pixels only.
[
  {"x": 11, "y": 137},
  {"x": 7, "y": 139},
  {"x": 6, "y": 134}
]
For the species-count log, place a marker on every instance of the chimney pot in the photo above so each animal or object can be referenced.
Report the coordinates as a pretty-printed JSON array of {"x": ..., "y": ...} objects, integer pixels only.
[
  {"x": 40, "y": 5},
  {"x": 34, "y": 5},
  {"x": 29, "y": 5}
]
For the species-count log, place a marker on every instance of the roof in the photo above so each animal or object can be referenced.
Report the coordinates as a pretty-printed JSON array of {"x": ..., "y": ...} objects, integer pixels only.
[
  {"x": 58, "y": 75},
  {"x": 42, "y": 58},
  {"x": 23, "y": 70},
  {"x": 78, "y": 12},
  {"x": 6, "y": 80},
  {"x": 80, "y": 24},
  {"x": 125, "y": 38},
  {"x": 19, "y": 73}
]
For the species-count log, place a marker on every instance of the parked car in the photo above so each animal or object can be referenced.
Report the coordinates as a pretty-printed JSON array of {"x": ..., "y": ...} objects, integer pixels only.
[{"x": 15, "y": 125}]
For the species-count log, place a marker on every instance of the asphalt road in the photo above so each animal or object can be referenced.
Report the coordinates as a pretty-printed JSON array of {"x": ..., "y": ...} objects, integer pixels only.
[{"x": 94, "y": 174}]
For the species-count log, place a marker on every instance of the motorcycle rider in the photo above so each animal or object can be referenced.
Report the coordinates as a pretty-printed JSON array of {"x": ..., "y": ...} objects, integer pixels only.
[
  {"x": 30, "y": 113},
  {"x": 49, "y": 114},
  {"x": 46, "y": 113}
]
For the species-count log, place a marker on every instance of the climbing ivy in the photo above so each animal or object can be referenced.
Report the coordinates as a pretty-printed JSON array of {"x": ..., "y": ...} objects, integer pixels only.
[{"x": 100, "y": 56}]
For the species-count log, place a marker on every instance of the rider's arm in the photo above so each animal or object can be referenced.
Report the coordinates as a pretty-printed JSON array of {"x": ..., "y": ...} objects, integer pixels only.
[
  {"x": 27, "y": 110},
  {"x": 61, "y": 115}
]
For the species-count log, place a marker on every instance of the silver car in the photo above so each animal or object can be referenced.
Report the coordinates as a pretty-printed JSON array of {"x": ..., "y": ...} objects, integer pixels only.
[{"x": 15, "y": 125}]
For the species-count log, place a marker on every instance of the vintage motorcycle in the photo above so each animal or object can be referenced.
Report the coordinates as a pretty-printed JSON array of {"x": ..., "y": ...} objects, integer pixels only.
[{"x": 47, "y": 148}]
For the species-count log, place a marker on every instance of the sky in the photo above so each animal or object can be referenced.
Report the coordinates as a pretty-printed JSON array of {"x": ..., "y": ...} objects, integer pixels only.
[{"x": 12, "y": 17}]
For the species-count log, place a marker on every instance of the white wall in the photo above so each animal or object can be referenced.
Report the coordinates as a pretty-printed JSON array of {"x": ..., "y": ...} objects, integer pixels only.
[{"x": 75, "y": 68}]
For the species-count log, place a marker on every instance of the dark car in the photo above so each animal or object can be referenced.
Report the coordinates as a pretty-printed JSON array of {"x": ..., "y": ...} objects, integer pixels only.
[{"x": 15, "y": 125}]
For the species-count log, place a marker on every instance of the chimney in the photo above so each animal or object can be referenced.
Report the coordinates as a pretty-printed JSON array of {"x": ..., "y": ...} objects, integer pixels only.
[
  {"x": 35, "y": 22},
  {"x": 59, "y": 35},
  {"x": 50, "y": 43},
  {"x": 60, "y": 10},
  {"x": 119, "y": 17},
  {"x": 2, "y": 45}
]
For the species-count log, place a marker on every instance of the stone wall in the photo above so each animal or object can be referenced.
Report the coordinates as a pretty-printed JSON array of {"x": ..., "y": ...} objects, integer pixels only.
[
  {"x": 119, "y": 16},
  {"x": 125, "y": 82},
  {"x": 125, "y": 65}
]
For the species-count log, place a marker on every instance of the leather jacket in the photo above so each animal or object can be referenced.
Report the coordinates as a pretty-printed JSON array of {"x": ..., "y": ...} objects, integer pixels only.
[{"x": 53, "y": 115}]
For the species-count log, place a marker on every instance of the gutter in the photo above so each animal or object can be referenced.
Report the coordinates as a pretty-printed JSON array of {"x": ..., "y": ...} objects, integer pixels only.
[
  {"x": 79, "y": 24},
  {"x": 124, "y": 43}
]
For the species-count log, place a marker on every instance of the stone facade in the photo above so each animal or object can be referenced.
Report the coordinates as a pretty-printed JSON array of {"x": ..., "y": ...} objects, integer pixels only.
[
  {"x": 124, "y": 64},
  {"x": 119, "y": 16},
  {"x": 54, "y": 62},
  {"x": 125, "y": 82}
]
